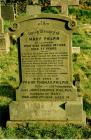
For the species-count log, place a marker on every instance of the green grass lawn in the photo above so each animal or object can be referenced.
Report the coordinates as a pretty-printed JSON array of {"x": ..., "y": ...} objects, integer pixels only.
[{"x": 37, "y": 131}]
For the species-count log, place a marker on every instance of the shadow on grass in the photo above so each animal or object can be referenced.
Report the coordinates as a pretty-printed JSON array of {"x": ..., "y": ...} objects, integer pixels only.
[
  {"x": 87, "y": 108},
  {"x": 4, "y": 115},
  {"x": 87, "y": 104},
  {"x": 7, "y": 91}
]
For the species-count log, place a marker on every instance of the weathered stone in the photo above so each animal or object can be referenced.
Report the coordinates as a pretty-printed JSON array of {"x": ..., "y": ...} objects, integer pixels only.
[
  {"x": 7, "y": 40},
  {"x": 7, "y": 12},
  {"x": 68, "y": 2},
  {"x": 63, "y": 112},
  {"x": 47, "y": 76},
  {"x": 33, "y": 9},
  {"x": 74, "y": 111},
  {"x": 4, "y": 37},
  {"x": 18, "y": 124},
  {"x": 1, "y": 21},
  {"x": 46, "y": 92},
  {"x": 37, "y": 111},
  {"x": 76, "y": 50},
  {"x": 1, "y": 25},
  {"x": 4, "y": 43}
]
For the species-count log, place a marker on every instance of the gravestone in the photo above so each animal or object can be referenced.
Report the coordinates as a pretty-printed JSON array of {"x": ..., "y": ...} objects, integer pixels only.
[
  {"x": 7, "y": 12},
  {"x": 64, "y": 4},
  {"x": 34, "y": 8},
  {"x": 4, "y": 37},
  {"x": 4, "y": 43},
  {"x": 46, "y": 93}
]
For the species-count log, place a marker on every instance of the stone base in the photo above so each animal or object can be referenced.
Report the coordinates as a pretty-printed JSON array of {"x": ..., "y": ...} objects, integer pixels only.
[
  {"x": 29, "y": 123},
  {"x": 47, "y": 112}
]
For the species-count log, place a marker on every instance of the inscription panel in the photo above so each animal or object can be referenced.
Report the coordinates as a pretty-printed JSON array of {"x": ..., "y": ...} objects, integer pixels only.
[
  {"x": 45, "y": 63},
  {"x": 45, "y": 55}
]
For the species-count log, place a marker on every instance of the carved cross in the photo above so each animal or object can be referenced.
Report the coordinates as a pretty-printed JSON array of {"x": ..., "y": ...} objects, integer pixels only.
[{"x": 64, "y": 4}]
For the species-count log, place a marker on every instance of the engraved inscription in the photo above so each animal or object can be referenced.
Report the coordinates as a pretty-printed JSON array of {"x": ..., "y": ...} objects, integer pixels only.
[{"x": 45, "y": 62}]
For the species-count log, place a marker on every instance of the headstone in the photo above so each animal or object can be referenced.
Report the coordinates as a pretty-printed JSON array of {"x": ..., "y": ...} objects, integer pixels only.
[
  {"x": 1, "y": 25},
  {"x": 46, "y": 92},
  {"x": 4, "y": 43},
  {"x": 33, "y": 9},
  {"x": 4, "y": 37},
  {"x": 7, "y": 12},
  {"x": 64, "y": 4}
]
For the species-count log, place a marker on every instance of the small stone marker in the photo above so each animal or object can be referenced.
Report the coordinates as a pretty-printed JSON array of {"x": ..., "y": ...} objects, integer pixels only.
[
  {"x": 33, "y": 9},
  {"x": 15, "y": 10},
  {"x": 46, "y": 92},
  {"x": 4, "y": 43},
  {"x": 64, "y": 4},
  {"x": 76, "y": 50}
]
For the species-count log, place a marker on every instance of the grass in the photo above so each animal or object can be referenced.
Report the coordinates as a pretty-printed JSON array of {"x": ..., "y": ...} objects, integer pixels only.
[
  {"x": 82, "y": 15},
  {"x": 37, "y": 131},
  {"x": 9, "y": 67},
  {"x": 6, "y": 25},
  {"x": 81, "y": 63}
]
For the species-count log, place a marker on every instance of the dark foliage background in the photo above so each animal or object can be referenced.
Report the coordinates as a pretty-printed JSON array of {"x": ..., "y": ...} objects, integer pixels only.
[
  {"x": 83, "y": 2},
  {"x": 86, "y": 4}
]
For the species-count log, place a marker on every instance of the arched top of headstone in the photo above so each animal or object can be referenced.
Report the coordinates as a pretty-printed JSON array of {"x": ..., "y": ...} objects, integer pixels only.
[{"x": 17, "y": 25}]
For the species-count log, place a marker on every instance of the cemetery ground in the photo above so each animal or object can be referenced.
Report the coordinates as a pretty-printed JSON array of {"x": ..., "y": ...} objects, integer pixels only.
[{"x": 9, "y": 81}]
